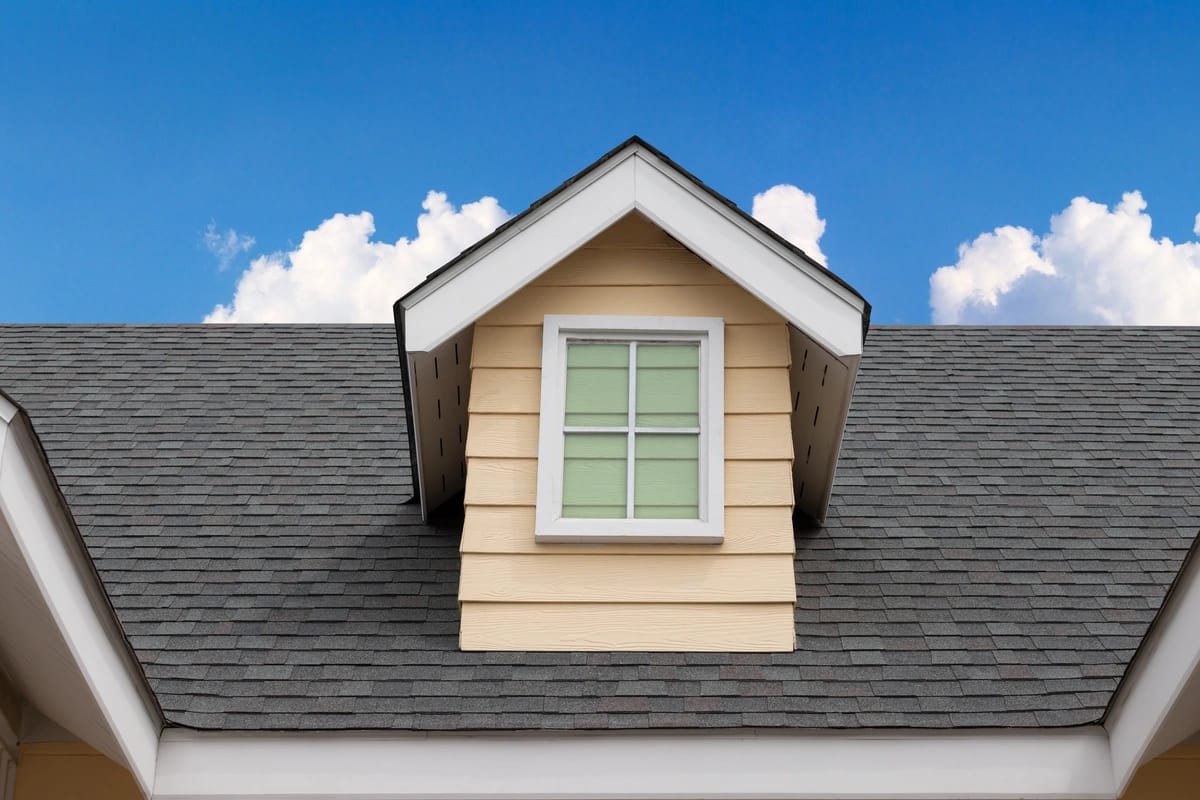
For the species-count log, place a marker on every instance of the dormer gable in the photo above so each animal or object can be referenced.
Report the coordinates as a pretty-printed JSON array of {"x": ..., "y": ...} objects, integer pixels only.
[{"x": 826, "y": 318}]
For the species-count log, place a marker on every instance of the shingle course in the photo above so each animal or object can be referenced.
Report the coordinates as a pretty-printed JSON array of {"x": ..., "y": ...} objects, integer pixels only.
[{"x": 1009, "y": 510}]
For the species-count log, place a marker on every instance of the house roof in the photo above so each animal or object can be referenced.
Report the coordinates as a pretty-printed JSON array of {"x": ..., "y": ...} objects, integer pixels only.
[{"x": 1010, "y": 507}]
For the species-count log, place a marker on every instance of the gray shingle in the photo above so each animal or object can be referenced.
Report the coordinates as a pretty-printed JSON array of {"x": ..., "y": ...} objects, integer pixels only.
[{"x": 1009, "y": 509}]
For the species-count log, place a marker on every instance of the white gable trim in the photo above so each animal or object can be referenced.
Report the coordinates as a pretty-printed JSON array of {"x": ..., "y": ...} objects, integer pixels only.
[
  {"x": 1158, "y": 704},
  {"x": 54, "y": 569},
  {"x": 636, "y": 179}
]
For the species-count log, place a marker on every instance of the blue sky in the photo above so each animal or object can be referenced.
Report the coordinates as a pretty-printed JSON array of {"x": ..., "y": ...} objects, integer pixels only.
[{"x": 126, "y": 130}]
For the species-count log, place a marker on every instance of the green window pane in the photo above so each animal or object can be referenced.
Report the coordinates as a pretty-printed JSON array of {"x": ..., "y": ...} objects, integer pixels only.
[
  {"x": 594, "y": 475},
  {"x": 597, "y": 384},
  {"x": 666, "y": 476},
  {"x": 668, "y": 385}
]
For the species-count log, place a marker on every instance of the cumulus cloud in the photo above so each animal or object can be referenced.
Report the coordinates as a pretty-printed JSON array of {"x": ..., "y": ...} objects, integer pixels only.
[
  {"x": 1095, "y": 265},
  {"x": 225, "y": 245},
  {"x": 339, "y": 274},
  {"x": 792, "y": 213}
]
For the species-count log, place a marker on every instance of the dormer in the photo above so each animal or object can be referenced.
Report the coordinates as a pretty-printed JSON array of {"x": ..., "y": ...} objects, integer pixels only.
[{"x": 633, "y": 386}]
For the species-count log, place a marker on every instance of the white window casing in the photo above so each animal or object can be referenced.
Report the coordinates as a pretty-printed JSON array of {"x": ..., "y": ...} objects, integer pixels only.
[{"x": 709, "y": 333}]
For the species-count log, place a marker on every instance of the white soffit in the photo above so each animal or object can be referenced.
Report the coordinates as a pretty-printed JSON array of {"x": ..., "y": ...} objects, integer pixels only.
[
  {"x": 1157, "y": 705},
  {"x": 63, "y": 648},
  {"x": 636, "y": 179},
  {"x": 831, "y": 766}
]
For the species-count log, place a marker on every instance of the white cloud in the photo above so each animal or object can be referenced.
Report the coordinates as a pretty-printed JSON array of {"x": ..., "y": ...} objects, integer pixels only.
[
  {"x": 1095, "y": 265},
  {"x": 338, "y": 274},
  {"x": 225, "y": 245},
  {"x": 792, "y": 213}
]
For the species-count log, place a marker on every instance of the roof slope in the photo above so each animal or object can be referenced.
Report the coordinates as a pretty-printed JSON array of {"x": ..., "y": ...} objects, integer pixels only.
[{"x": 1010, "y": 507}]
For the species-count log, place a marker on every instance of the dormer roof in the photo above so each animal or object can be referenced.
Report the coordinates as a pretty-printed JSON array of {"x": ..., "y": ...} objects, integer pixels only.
[{"x": 827, "y": 318}]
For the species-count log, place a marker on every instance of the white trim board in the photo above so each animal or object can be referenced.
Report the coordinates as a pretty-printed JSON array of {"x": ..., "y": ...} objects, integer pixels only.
[
  {"x": 709, "y": 332},
  {"x": 635, "y": 179},
  {"x": 101, "y": 696},
  {"x": 1038, "y": 766},
  {"x": 1157, "y": 705}
]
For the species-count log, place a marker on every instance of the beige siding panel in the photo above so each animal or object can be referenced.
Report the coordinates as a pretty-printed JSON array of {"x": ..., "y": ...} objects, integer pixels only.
[
  {"x": 510, "y": 529},
  {"x": 764, "y": 627},
  {"x": 70, "y": 771},
  {"x": 520, "y": 346},
  {"x": 757, "y": 346},
  {"x": 752, "y": 436},
  {"x": 747, "y": 436},
  {"x": 507, "y": 347},
  {"x": 531, "y": 304},
  {"x": 629, "y": 579},
  {"x": 633, "y": 267},
  {"x": 513, "y": 482},
  {"x": 757, "y": 391},
  {"x": 506, "y": 436},
  {"x": 505, "y": 391},
  {"x": 1175, "y": 775},
  {"x": 501, "y": 481},
  {"x": 758, "y": 483},
  {"x": 521, "y": 595}
]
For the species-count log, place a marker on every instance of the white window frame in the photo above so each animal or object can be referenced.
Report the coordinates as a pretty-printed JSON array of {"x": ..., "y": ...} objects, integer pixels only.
[{"x": 709, "y": 333}]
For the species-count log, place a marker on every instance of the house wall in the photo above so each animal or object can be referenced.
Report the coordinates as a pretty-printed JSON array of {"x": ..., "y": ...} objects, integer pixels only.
[
  {"x": 70, "y": 771},
  {"x": 517, "y": 594},
  {"x": 1175, "y": 775}
]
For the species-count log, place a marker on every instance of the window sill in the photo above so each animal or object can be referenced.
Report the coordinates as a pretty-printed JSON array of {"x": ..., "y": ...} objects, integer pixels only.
[{"x": 623, "y": 532}]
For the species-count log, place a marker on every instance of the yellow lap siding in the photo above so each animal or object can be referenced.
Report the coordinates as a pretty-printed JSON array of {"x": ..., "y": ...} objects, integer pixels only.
[
  {"x": 520, "y": 346},
  {"x": 70, "y": 771},
  {"x": 530, "y": 305},
  {"x": 509, "y": 529},
  {"x": 747, "y": 437},
  {"x": 767, "y": 627},
  {"x": 537, "y": 578},
  {"x": 519, "y": 594},
  {"x": 513, "y": 482}
]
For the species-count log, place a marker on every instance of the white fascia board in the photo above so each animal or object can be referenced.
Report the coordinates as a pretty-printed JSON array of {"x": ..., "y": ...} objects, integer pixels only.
[
  {"x": 804, "y": 294},
  {"x": 958, "y": 766},
  {"x": 1156, "y": 704},
  {"x": 811, "y": 301},
  {"x": 580, "y": 212},
  {"x": 31, "y": 508}
]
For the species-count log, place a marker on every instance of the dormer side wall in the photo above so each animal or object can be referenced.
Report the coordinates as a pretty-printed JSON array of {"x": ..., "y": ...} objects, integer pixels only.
[{"x": 518, "y": 594}]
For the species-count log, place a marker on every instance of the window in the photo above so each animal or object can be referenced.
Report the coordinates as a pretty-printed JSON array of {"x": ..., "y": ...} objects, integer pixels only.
[{"x": 631, "y": 443}]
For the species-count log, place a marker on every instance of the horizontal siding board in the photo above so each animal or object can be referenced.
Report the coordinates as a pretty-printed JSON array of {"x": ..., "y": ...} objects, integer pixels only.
[
  {"x": 757, "y": 346},
  {"x": 510, "y": 529},
  {"x": 531, "y": 304},
  {"x": 519, "y": 391},
  {"x": 752, "y": 437},
  {"x": 720, "y": 627},
  {"x": 503, "y": 436},
  {"x": 633, "y": 267},
  {"x": 501, "y": 481},
  {"x": 520, "y": 346},
  {"x": 758, "y": 483},
  {"x": 505, "y": 391},
  {"x": 537, "y": 578},
  {"x": 507, "y": 346},
  {"x": 513, "y": 482},
  {"x": 757, "y": 391}
]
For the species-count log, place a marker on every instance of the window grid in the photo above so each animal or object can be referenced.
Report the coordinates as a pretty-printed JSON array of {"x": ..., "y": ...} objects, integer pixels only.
[{"x": 631, "y": 428}]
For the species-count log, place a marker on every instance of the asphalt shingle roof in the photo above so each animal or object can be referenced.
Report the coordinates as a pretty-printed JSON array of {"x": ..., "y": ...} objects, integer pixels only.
[{"x": 1010, "y": 507}]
